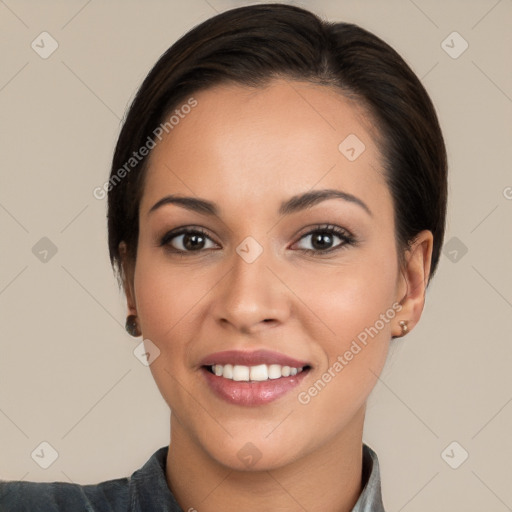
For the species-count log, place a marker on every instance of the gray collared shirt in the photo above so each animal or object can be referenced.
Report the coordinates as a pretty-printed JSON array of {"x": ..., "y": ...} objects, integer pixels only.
[{"x": 146, "y": 490}]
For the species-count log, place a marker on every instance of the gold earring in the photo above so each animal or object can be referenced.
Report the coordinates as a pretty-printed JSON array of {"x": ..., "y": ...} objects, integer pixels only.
[
  {"x": 131, "y": 326},
  {"x": 404, "y": 327}
]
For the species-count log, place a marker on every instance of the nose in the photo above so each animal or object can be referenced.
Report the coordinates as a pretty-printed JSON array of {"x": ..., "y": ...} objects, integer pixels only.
[{"x": 252, "y": 297}]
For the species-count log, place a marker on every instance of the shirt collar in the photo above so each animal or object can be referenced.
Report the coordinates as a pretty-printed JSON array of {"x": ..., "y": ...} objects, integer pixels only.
[
  {"x": 149, "y": 490},
  {"x": 370, "y": 499}
]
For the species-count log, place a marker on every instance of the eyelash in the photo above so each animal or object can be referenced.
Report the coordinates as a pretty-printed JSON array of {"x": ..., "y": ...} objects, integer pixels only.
[{"x": 347, "y": 239}]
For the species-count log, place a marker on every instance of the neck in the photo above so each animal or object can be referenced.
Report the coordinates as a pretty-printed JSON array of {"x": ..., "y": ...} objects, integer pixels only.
[{"x": 328, "y": 479}]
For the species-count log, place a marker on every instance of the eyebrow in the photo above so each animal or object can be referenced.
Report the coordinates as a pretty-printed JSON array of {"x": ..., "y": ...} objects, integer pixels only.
[{"x": 294, "y": 204}]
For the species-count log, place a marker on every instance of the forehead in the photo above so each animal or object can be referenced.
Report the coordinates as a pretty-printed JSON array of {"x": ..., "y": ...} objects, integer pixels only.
[{"x": 258, "y": 145}]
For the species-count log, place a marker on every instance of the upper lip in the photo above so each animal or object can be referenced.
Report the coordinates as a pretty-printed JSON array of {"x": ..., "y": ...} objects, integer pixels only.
[{"x": 251, "y": 358}]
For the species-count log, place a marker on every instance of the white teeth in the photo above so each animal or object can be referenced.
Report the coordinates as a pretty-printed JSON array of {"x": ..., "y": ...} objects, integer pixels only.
[
  {"x": 240, "y": 372},
  {"x": 259, "y": 373},
  {"x": 274, "y": 371},
  {"x": 227, "y": 372}
]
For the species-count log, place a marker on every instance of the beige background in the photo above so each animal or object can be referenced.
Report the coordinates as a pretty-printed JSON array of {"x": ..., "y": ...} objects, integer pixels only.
[{"x": 67, "y": 372}]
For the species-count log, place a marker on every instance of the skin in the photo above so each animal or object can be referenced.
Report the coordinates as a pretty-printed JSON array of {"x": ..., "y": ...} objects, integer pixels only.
[{"x": 247, "y": 150}]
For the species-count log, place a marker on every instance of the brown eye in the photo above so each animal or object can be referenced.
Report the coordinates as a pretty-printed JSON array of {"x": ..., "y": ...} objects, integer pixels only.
[
  {"x": 323, "y": 239},
  {"x": 187, "y": 240}
]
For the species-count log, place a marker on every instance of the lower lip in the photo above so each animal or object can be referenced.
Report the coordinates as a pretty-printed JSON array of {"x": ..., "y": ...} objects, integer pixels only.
[{"x": 252, "y": 393}]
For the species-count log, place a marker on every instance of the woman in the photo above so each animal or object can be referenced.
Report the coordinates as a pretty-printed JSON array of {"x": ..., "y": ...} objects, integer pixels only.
[{"x": 276, "y": 208}]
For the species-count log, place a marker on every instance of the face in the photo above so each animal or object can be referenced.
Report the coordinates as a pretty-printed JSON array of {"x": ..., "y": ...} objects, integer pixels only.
[{"x": 258, "y": 279}]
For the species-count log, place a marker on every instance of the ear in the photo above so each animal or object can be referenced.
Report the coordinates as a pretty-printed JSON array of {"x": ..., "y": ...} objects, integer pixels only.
[
  {"x": 413, "y": 280},
  {"x": 128, "y": 275}
]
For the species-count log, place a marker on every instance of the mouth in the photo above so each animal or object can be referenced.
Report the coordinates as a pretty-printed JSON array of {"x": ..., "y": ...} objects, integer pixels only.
[{"x": 252, "y": 378}]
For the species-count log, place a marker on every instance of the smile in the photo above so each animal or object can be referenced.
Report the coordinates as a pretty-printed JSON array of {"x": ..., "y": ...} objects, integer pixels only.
[
  {"x": 259, "y": 373},
  {"x": 252, "y": 377}
]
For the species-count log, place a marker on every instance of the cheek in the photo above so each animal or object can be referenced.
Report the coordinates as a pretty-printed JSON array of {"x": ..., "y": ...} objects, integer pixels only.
[
  {"x": 351, "y": 297},
  {"x": 166, "y": 296},
  {"x": 356, "y": 305},
  {"x": 358, "y": 302},
  {"x": 166, "y": 303},
  {"x": 358, "y": 308}
]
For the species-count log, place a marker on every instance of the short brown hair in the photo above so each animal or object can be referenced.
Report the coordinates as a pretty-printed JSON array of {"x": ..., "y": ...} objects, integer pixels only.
[{"x": 250, "y": 46}]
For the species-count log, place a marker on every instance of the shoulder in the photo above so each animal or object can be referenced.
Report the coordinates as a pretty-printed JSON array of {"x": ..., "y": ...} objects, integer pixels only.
[
  {"x": 111, "y": 495},
  {"x": 121, "y": 494}
]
